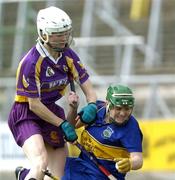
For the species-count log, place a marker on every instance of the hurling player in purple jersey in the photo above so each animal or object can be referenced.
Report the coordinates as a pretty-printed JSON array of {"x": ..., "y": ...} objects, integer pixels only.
[
  {"x": 37, "y": 123},
  {"x": 115, "y": 138}
]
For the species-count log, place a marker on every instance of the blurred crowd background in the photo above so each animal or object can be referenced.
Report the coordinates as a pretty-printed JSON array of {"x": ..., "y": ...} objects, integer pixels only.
[{"x": 129, "y": 42}]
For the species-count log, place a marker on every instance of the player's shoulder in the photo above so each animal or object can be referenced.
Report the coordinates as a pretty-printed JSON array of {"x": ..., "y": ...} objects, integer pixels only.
[
  {"x": 70, "y": 53},
  {"x": 100, "y": 104},
  {"x": 32, "y": 56},
  {"x": 133, "y": 121}
]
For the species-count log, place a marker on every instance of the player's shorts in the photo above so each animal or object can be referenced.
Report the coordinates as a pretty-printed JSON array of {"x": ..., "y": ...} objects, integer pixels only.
[
  {"x": 80, "y": 169},
  {"x": 86, "y": 169},
  {"x": 24, "y": 123}
]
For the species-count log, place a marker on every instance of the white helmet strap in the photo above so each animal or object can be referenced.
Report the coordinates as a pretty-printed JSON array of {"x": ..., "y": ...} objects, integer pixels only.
[{"x": 44, "y": 39}]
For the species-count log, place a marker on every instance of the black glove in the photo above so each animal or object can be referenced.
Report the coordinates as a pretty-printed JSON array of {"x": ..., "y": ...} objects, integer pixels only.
[{"x": 68, "y": 131}]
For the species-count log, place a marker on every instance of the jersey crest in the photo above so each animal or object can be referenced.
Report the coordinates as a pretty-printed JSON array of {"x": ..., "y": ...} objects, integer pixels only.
[
  {"x": 65, "y": 68},
  {"x": 107, "y": 133},
  {"x": 49, "y": 72}
]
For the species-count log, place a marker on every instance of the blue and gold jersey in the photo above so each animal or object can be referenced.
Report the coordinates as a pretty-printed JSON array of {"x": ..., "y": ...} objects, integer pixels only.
[{"x": 108, "y": 140}]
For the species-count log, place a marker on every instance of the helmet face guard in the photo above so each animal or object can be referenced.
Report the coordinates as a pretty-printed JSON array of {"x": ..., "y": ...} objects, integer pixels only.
[
  {"x": 51, "y": 21},
  {"x": 120, "y": 96},
  {"x": 56, "y": 46}
]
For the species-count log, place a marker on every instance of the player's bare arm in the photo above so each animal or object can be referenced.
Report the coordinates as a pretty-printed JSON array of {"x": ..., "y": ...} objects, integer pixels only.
[
  {"x": 73, "y": 101},
  {"x": 89, "y": 91},
  {"x": 136, "y": 160},
  {"x": 43, "y": 112}
]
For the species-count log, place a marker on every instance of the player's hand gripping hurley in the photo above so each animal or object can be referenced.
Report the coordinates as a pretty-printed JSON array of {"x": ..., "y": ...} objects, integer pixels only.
[
  {"x": 91, "y": 156},
  {"x": 47, "y": 173}
]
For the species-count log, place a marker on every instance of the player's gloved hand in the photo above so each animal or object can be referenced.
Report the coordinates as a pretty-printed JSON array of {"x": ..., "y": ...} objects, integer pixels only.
[
  {"x": 123, "y": 164},
  {"x": 69, "y": 131},
  {"x": 88, "y": 113}
]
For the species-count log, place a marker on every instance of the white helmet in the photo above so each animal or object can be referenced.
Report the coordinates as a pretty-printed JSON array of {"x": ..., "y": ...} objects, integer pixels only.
[{"x": 52, "y": 20}]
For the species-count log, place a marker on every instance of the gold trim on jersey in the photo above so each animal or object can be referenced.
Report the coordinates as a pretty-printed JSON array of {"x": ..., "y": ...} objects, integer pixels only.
[
  {"x": 72, "y": 68},
  {"x": 19, "y": 68},
  {"x": 100, "y": 150},
  {"x": 37, "y": 73},
  {"x": 20, "y": 98}
]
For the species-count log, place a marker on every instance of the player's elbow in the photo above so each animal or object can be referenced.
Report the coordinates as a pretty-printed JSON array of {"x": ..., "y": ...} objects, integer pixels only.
[
  {"x": 137, "y": 161},
  {"x": 34, "y": 104},
  {"x": 140, "y": 164}
]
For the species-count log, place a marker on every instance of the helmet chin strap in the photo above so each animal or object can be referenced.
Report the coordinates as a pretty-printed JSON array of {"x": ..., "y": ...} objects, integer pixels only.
[
  {"x": 45, "y": 39},
  {"x": 57, "y": 49}
]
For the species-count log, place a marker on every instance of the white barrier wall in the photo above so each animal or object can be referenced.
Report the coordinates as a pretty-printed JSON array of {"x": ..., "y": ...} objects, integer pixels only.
[{"x": 11, "y": 155}]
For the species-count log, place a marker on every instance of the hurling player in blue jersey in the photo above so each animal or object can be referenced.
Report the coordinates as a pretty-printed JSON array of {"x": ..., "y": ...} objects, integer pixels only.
[
  {"x": 115, "y": 139},
  {"x": 37, "y": 123}
]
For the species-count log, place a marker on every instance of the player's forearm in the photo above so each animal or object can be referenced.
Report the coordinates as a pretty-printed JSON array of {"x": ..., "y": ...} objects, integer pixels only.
[
  {"x": 136, "y": 161},
  {"x": 72, "y": 114},
  {"x": 44, "y": 113},
  {"x": 89, "y": 92},
  {"x": 91, "y": 97}
]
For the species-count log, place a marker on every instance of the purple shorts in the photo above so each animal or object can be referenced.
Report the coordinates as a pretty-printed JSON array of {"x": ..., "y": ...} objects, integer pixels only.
[{"x": 23, "y": 123}]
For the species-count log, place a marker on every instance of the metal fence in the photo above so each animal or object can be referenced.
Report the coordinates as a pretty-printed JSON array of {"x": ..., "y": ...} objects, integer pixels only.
[{"x": 111, "y": 51}]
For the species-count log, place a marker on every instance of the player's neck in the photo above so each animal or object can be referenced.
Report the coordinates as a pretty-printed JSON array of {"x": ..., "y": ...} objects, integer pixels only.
[{"x": 53, "y": 53}]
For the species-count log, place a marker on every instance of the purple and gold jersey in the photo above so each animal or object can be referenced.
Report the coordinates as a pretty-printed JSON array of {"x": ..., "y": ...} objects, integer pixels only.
[{"x": 40, "y": 75}]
